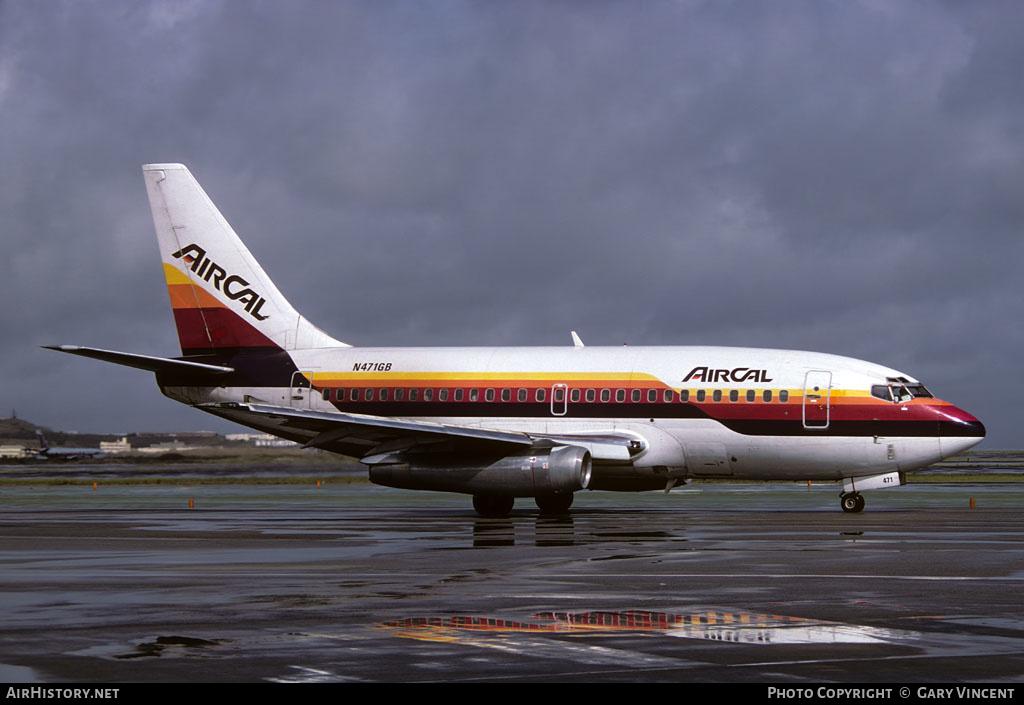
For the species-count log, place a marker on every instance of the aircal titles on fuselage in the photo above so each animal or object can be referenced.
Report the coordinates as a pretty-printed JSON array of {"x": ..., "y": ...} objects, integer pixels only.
[
  {"x": 212, "y": 272},
  {"x": 737, "y": 374}
]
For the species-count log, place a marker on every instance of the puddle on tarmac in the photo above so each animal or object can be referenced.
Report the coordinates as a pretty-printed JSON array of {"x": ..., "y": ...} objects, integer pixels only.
[
  {"x": 155, "y": 647},
  {"x": 710, "y": 624}
]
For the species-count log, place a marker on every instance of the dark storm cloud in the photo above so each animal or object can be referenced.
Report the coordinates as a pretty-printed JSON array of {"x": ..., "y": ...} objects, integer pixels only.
[{"x": 832, "y": 176}]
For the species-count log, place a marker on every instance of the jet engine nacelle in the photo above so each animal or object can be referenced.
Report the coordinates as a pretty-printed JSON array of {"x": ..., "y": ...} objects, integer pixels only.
[{"x": 541, "y": 472}]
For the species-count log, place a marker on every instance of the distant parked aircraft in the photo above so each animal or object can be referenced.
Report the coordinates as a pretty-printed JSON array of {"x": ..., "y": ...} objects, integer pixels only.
[{"x": 48, "y": 453}]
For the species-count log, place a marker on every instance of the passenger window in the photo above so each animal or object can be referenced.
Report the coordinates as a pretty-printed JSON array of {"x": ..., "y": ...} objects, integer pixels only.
[
  {"x": 326, "y": 394},
  {"x": 635, "y": 395},
  {"x": 591, "y": 395},
  {"x": 716, "y": 396},
  {"x": 474, "y": 395},
  {"x": 540, "y": 395},
  {"x": 340, "y": 396},
  {"x": 559, "y": 393},
  {"x": 428, "y": 394},
  {"x": 442, "y": 395},
  {"x": 506, "y": 395},
  {"x": 384, "y": 395},
  {"x": 521, "y": 395},
  {"x": 414, "y": 395},
  {"x": 489, "y": 395},
  {"x": 369, "y": 395},
  {"x": 620, "y": 395},
  {"x": 751, "y": 395},
  {"x": 652, "y": 395},
  {"x": 574, "y": 395},
  {"x": 606, "y": 395},
  {"x": 766, "y": 395},
  {"x": 354, "y": 396},
  {"x": 701, "y": 395},
  {"x": 684, "y": 395},
  {"x": 783, "y": 395},
  {"x": 399, "y": 393},
  {"x": 734, "y": 395}
]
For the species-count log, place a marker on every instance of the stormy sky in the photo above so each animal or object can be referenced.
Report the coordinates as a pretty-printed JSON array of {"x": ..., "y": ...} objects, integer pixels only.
[{"x": 845, "y": 177}]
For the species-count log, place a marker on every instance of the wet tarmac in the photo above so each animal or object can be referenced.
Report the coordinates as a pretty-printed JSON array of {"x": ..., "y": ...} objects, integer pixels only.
[{"x": 713, "y": 583}]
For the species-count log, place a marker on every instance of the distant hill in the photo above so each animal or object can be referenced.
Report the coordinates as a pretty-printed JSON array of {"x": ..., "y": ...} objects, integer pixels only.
[{"x": 22, "y": 429}]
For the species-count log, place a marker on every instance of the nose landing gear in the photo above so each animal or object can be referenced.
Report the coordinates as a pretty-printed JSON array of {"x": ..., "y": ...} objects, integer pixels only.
[{"x": 851, "y": 502}]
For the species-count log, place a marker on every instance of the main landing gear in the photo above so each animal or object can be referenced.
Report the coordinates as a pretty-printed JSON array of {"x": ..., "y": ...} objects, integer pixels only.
[
  {"x": 554, "y": 503},
  {"x": 497, "y": 505},
  {"x": 493, "y": 505},
  {"x": 851, "y": 502}
]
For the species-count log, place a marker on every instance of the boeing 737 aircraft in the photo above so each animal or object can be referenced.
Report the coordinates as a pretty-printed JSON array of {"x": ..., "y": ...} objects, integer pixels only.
[{"x": 541, "y": 422}]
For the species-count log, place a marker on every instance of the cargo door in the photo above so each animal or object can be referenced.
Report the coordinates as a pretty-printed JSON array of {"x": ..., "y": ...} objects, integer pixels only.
[{"x": 707, "y": 460}]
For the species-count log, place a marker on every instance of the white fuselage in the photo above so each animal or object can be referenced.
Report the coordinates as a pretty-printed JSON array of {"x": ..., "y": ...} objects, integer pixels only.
[{"x": 697, "y": 411}]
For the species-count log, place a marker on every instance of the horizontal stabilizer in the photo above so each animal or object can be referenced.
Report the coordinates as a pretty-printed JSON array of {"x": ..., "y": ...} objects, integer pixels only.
[{"x": 142, "y": 362}]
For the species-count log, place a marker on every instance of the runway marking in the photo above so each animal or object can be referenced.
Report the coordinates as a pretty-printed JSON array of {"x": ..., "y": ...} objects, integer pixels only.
[
  {"x": 551, "y": 649},
  {"x": 837, "y": 576},
  {"x": 312, "y": 675}
]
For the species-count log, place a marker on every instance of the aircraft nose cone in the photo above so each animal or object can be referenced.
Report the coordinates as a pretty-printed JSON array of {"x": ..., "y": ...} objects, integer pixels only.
[
  {"x": 959, "y": 431},
  {"x": 965, "y": 424}
]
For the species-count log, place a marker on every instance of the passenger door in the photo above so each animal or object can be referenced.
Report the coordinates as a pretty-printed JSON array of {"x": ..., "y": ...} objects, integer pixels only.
[
  {"x": 817, "y": 399},
  {"x": 300, "y": 390}
]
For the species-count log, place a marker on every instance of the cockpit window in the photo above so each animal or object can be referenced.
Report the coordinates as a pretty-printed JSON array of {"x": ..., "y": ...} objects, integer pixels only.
[{"x": 899, "y": 390}]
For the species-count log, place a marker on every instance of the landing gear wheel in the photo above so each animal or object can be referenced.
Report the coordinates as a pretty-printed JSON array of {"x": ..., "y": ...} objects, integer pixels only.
[
  {"x": 554, "y": 503},
  {"x": 852, "y": 502},
  {"x": 493, "y": 505}
]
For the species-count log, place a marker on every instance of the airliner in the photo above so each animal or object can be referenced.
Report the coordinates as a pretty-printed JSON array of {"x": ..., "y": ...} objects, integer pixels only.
[
  {"x": 47, "y": 452},
  {"x": 500, "y": 423}
]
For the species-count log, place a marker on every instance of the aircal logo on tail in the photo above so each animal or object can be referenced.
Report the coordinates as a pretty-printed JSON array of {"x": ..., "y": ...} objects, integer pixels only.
[
  {"x": 233, "y": 286},
  {"x": 739, "y": 374}
]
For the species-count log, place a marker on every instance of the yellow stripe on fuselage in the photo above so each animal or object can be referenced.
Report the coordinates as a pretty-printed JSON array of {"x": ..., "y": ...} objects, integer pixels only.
[{"x": 398, "y": 378}]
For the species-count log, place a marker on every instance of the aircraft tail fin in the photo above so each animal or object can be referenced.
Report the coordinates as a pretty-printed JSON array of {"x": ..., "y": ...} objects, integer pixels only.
[
  {"x": 43, "y": 445},
  {"x": 222, "y": 298}
]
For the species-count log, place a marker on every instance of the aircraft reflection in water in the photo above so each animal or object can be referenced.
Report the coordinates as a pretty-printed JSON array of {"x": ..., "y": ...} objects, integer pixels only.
[
  {"x": 542, "y": 422},
  {"x": 714, "y": 625}
]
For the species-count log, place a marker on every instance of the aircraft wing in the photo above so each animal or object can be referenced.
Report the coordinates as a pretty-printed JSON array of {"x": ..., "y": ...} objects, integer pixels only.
[{"x": 374, "y": 438}]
